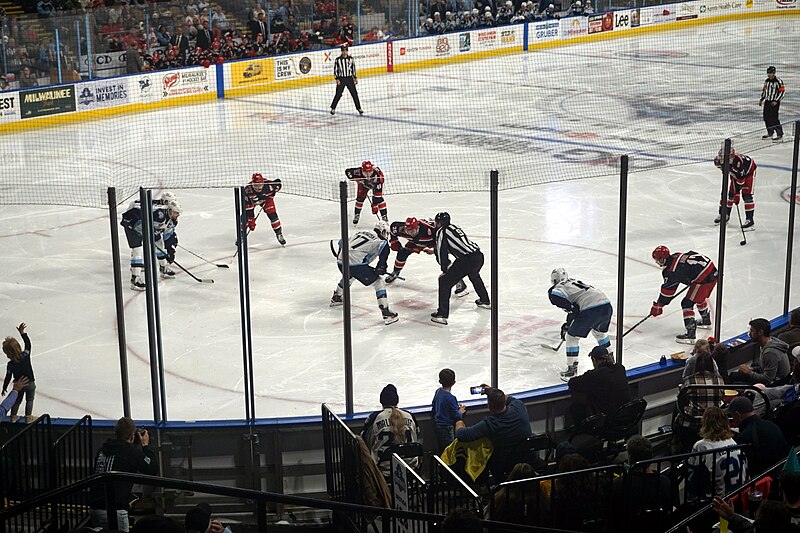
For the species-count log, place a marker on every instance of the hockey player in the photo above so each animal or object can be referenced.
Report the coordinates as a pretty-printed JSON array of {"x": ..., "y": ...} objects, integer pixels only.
[
  {"x": 692, "y": 269},
  {"x": 742, "y": 174},
  {"x": 588, "y": 310},
  {"x": 262, "y": 192},
  {"x": 370, "y": 179},
  {"x": 165, "y": 217},
  {"x": 364, "y": 247},
  {"x": 420, "y": 239}
]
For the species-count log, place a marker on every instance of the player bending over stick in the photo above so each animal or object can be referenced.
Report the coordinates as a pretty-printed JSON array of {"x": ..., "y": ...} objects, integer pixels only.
[{"x": 588, "y": 310}]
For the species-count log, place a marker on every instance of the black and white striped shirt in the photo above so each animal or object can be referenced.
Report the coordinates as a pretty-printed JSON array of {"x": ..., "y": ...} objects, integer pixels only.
[
  {"x": 453, "y": 241},
  {"x": 773, "y": 90},
  {"x": 344, "y": 67}
]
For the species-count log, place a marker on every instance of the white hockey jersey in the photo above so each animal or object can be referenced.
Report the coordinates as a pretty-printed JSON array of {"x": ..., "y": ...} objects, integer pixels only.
[
  {"x": 379, "y": 437},
  {"x": 365, "y": 246},
  {"x": 572, "y": 293}
]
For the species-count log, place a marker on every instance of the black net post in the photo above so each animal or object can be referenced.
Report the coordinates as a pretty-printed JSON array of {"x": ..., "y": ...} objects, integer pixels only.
[
  {"x": 150, "y": 280},
  {"x": 120, "y": 304},
  {"x": 346, "y": 315},
  {"x": 792, "y": 203},
  {"x": 495, "y": 236},
  {"x": 244, "y": 303},
  {"x": 622, "y": 245},
  {"x": 723, "y": 224}
]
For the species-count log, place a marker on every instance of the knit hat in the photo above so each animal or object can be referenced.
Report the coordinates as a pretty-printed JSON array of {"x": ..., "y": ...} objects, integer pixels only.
[
  {"x": 198, "y": 518},
  {"x": 741, "y": 404},
  {"x": 389, "y": 397}
]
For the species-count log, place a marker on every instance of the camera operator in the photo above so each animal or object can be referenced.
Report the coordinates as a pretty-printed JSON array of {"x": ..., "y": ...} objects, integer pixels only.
[{"x": 129, "y": 451}]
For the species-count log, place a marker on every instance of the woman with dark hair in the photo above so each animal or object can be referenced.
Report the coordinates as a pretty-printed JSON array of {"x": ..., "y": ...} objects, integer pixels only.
[
  {"x": 520, "y": 503},
  {"x": 687, "y": 422},
  {"x": 573, "y": 500}
]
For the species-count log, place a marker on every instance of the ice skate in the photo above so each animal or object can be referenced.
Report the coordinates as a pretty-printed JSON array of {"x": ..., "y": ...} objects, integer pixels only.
[
  {"x": 355, "y": 218},
  {"x": 686, "y": 338},
  {"x": 137, "y": 283},
  {"x": 281, "y": 240},
  {"x": 336, "y": 299},
  {"x": 778, "y": 139},
  {"x": 391, "y": 277},
  {"x": 704, "y": 322},
  {"x": 767, "y": 136},
  {"x": 461, "y": 289},
  {"x": 719, "y": 219},
  {"x": 483, "y": 304},
  {"x": 570, "y": 372},
  {"x": 166, "y": 272},
  {"x": 389, "y": 317},
  {"x": 438, "y": 318},
  {"x": 749, "y": 225}
]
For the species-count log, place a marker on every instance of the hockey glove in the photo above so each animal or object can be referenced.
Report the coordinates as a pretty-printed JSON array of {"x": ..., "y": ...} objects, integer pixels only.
[
  {"x": 394, "y": 244},
  {"x": 380, "y": 270},
  {"x": 169, "y": 246},
  {"x": 251, "y": 224},
  {"x": 564, "y": 330},
  {"x": 657, "y": 309}
]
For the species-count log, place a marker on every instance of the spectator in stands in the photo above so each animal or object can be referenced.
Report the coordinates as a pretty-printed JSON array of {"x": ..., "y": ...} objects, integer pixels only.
[
  {"x": 792, "y": 335},
  {"x": 128, "y": 451},
  {"x": 773, "y": 362},
  {"x": 573, "y": 500},
  {"x": 198, "y": 520},
  {"x": 771, "y": 516},
  {"x": 461, "y": 521},
  {"x": 133, "y": 60},
  {"x": 220, "y": 19},
  {"x": 389, "y": 426},
  {"x": 19, "y": 366},
  {"x": 11, "y": 399},
  {"x": 507, "y": 426},
  {"x": 515, "y": 504},
  {"x": 648, "y": 489},
  {"x": 163, "y": 35},
  {"x": 27, "y": 79},
  {"x": 716, "y": 473},
  {"x": 687, "y": 423},
  {"x": 601, "y": 390},
  {"x": 372, "y": 35},
  {"x": 789, "y": 481},
  {"x": 446, "y": 410},
  {"x": 180, "y": 39},
  {"x": 45, "y": 8},
  {"x": 700, "y": 346},
  {"x": 768, "y": 445},
  {"x": 720, "y": 356}
]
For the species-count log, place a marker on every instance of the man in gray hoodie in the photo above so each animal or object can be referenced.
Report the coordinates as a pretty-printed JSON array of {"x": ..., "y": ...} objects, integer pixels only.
[{"x": 773, "y": 362}]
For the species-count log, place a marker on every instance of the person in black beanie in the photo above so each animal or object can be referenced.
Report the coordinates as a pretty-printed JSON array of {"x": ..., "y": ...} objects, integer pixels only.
[{"x": 387, "y": 427}]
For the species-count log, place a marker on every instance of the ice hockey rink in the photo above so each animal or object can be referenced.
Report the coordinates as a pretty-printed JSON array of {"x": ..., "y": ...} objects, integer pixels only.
[{"x": 667, "y": 98}]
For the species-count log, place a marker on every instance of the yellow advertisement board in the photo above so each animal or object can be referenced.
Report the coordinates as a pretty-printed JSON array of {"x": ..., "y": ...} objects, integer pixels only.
[{"x": 249, "y": 73}]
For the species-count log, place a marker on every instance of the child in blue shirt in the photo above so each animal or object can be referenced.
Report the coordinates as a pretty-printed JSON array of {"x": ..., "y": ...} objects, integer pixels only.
[{"x": 445, "y": 409}]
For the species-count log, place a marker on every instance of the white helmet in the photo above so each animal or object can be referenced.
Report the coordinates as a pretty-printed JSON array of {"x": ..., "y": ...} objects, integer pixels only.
[
  {"x": 558, "y": 275},
  {"x": 167, "y": 196},
  {"x": 475, "y": 11},
  {"x": 174, "y": 207},
  {"x": 578, "y": 3},
  {"x": 382, "y": 229}
]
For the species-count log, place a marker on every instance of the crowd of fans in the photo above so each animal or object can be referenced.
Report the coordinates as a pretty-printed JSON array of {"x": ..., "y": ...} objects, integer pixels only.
[
  {"x": 733, "y": 437},
  {"x": 162, "y": 36}
]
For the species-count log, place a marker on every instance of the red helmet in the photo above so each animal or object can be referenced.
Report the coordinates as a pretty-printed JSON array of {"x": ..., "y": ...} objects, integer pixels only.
[
  {"x": 412, "y": 224},
  {"x": 257, "y": 178},
  {"x": 660, "y": 255},
  {"x": 366, "y": 166}
]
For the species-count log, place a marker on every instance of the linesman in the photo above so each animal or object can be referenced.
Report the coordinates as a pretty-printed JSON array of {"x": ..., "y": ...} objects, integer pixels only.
[
  {"x": 451, "y": 240},
  {"x": 771, "y": 96},
  {"x": 344, "y": 71}
]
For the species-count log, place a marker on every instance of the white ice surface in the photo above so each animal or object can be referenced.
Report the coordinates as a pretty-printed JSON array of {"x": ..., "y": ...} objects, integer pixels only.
[{"x": 56, "y": 262}]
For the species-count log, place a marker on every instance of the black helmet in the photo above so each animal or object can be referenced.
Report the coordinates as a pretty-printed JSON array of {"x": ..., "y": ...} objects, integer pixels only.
[
  {"x": 443, "y": 219},
  {"x": 770, "y": 69}
]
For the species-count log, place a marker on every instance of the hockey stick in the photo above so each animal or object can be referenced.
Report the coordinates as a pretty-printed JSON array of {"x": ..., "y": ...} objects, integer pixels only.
[
  {"x": 218, "y": 265},
  {"x": 744, "y": 237},
  {"x": 199, "y": 280},
  {"x": 551, "y": 348},
  {"x": 649, "y": 315}
]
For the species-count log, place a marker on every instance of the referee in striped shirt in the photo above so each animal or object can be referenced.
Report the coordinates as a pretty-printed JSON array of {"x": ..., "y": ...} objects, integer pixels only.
[
  {"x": 451, "y": 240},
  {"x": 344, "y": 71},
  {"x": 771, "y": 96}
]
